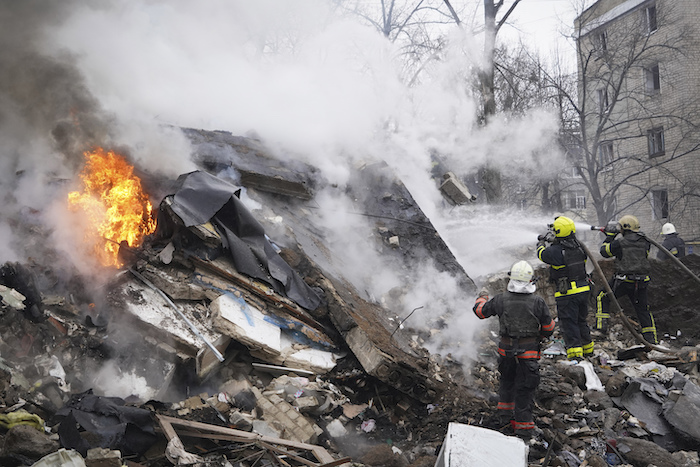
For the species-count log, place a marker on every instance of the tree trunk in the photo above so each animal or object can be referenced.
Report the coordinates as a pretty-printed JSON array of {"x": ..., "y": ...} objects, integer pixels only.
[{"x": 490, "y": 176}]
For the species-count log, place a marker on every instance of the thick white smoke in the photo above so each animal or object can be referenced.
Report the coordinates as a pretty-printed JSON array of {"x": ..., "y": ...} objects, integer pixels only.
[{"x": 296, "y": 73}]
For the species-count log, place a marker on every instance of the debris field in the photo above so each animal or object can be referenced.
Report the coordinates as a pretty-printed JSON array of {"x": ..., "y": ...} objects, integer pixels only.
[{"x": 239, "y": 337}]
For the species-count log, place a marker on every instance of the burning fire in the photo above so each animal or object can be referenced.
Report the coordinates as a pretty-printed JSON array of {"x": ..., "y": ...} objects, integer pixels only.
[{"x": 117, "y": 208}]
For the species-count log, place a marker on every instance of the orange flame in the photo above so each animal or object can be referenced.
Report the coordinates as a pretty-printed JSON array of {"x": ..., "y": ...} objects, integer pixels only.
[{"x": 116, "y": 206}]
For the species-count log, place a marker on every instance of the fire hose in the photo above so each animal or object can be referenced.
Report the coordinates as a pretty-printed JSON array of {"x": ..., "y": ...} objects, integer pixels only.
[
  {"x": 676, "y": 260},
  {"x": 618, "y": 308}
]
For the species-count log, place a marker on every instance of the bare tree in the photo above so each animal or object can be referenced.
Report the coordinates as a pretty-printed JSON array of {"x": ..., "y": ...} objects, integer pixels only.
[
  {"x": 417, "y": 26},
  {"x": 619, "y": 118}
]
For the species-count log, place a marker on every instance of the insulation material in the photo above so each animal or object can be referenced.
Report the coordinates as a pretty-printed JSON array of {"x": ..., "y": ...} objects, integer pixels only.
[{"x": 467, "y": 446}]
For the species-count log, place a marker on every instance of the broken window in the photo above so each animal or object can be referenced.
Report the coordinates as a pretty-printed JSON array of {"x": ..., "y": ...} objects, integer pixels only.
[
  {"x": 659, "y": 204},
  {"x": 652, "y": 81},
  {"x": 655, "y": 140},
  {"x": 649, "y": 19},
  {"x": 605, "y": 156}
]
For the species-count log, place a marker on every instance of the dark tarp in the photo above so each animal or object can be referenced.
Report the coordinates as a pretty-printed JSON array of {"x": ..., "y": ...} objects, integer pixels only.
[
  {"x": 110, "y": 423},
  {"x": 201, "y": 197}
]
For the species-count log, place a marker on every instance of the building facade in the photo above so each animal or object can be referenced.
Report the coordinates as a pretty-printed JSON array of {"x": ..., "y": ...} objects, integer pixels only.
[{"x": 639, "y": 112}]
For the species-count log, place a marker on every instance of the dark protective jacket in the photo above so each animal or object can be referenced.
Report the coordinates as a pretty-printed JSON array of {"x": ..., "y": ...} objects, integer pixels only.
[
  {"x": 631, "y": 255},
  {"x": 524, "y": 319},
  {"x": 673, "y": 243},
  {"x": 568, "y": 266}
]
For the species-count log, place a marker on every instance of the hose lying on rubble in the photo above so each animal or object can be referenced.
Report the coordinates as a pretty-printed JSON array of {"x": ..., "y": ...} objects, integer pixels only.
[{"x": 613, "y": 299}]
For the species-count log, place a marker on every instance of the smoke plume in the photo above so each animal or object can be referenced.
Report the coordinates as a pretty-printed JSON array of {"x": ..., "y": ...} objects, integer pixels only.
[{"x": 128, "y": 73}]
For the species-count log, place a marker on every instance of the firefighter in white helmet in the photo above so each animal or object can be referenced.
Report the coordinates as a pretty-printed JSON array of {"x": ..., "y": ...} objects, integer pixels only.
[
  {"x": 567, "y": 260},
  {"x": 672, "y": 242},
  {"x": 524, "y": 320},
  {"x": 631, "y": 278}
]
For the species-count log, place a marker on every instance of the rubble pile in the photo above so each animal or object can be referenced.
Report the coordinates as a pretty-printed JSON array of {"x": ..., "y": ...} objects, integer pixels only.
[{"x": 234, "y": 337}]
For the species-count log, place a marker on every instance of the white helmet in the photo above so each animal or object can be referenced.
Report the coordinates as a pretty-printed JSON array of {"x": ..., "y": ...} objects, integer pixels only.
[
  {"x": 668, "y": 228},
  {"x": 521, "y": 271}
]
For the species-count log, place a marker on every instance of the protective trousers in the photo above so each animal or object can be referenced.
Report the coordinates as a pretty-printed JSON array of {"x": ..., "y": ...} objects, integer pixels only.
[
  {"x": 519, "y": 380},
  {"x": 572, "y": 311},
  {"x": 636, "y": 291}
]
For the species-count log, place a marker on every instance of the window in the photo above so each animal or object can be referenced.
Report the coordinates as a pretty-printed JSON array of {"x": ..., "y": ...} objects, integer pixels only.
[
  {"x": 649, "y": 19},
  {"x": 655, "y": 139},
  {"x": 605, "y": 155},
  {"x": 574, "y": 199},
  {"x": 601, "y": 40},
  {"x": 652, "y": 80},
  {"x": 659, "y": 204},
  {"x": 575, "y": 160},
  {"x": 603, "y": 102}
]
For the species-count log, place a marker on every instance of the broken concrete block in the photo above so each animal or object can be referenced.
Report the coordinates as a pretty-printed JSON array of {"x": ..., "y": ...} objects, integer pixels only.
[
  {"x": 467, "y": 445},
  {"x": 315, "y": 360},
  {"x": 336, "y": 429},
  {"x": 454, "y": 190},
  {"x": 306, "y": 404},
  {"x": 296, "y": 426},
  {"x": 157, "y": 318},
  {"x": 239, "y": 320},
  {"x": 241, "y": 421},
  {"x": 206, "y": 360},
  {"x": 379, "y": 364},
  {"x": 101, "y": 457},
  {"x": 11, "y": 297}
]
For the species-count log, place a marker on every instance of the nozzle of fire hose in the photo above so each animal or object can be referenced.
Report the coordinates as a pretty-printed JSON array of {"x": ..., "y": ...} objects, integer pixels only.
[{"x": 611, "y": 228}]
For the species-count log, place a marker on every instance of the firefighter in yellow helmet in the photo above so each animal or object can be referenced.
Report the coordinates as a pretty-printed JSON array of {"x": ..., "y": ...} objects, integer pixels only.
[
  {"x": 567, "y": 260},
  {"x": 631, "y": 278},
  {"x": 524, "y": 320}
]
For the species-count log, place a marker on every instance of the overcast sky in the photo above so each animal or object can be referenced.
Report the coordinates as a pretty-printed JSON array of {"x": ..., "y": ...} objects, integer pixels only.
[{"x": 543, "y": 24}]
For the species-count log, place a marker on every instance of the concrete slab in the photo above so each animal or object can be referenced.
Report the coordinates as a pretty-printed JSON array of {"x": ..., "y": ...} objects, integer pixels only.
[
  {"x": 237, "y": 319},
  {"x": 148, "y": 308},
  {"x": 467, "y": 446}
]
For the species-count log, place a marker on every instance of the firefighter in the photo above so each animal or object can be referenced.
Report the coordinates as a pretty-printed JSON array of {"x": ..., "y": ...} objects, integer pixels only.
[
  {"x": 524, "y": 320},
  {"x": 672, "y": 242},
  {"x": 567, "y": 260},
  {"x": 631, "y": 277}
]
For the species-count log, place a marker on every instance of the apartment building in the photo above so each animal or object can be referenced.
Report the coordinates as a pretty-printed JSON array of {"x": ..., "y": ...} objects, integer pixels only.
[{"x": 639, "y": 112}]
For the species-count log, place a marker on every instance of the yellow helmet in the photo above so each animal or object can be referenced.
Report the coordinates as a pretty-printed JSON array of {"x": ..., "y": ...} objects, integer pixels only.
[
  {"x": 629, "y": 222},
  {"x": 563, "y": 226},
  {"x": 521, "y": 271}
]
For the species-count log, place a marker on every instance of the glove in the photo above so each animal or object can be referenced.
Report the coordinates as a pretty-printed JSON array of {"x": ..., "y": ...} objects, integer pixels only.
[
  {"x": 545, "y": 237},
  {"x": 484, "y": 293},
  {"x": 609, "y": 236},
  {"x": 611, "y": 229}
]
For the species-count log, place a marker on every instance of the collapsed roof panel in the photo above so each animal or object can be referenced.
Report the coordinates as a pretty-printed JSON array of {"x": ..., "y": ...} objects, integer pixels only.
[
  {"x": 218, "y": 151},
  {"x": 383, "y": 201}
]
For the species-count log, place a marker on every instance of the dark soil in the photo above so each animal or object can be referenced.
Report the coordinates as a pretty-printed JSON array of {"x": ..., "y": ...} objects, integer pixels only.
[{"x": 674, "y": 299}]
